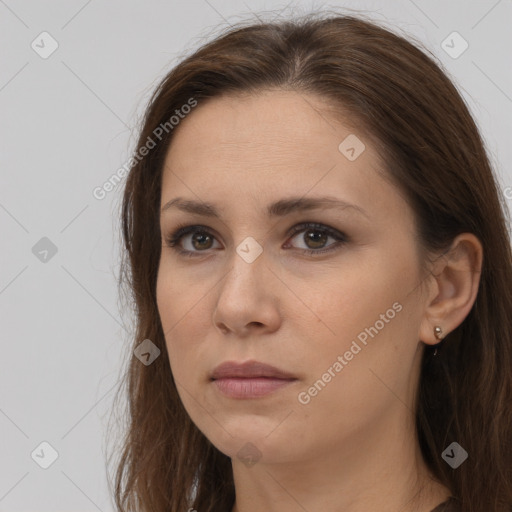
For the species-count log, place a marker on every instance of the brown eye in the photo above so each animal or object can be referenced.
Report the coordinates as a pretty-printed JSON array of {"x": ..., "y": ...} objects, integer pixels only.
[
  {"x": 201, "y": 240},
  {"x": 315, "y": 237}
]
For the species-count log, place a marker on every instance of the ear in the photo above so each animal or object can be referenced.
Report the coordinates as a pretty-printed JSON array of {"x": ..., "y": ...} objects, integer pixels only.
[{"x": 453, "y": 287}]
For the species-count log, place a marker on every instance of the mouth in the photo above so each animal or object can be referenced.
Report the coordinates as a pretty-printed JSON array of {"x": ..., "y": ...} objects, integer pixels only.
[{"x": 251, "y": 379}]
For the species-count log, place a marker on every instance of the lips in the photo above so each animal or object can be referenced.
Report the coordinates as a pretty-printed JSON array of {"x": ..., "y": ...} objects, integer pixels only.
[
  {"x": 249, "y": 370},
  {"x": 251, "y": 379}
]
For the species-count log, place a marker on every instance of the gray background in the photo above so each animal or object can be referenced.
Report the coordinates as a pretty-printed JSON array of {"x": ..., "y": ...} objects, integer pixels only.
[{"x": 67, "y": 124}]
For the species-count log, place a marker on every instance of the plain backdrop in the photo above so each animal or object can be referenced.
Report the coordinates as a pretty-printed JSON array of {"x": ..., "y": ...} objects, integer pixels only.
[{"x": 68, "y": 121}]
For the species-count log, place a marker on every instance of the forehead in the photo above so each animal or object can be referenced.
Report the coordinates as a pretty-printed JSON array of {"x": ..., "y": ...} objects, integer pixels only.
[
  {"x": 268, "y": 123},
  {"x": 261, "y": 147}
]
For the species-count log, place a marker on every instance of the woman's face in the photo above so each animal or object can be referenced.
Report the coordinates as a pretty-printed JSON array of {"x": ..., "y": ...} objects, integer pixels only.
[{"x": 341, "y": 322}]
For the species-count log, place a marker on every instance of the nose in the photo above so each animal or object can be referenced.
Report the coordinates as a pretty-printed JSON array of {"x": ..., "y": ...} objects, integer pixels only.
[{"x": 247, "y": 302}]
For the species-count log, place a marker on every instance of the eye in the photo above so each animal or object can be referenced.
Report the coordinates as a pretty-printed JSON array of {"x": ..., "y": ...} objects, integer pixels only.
[
  {"x": 315, "y": 237},
  {"x": 200, "y": 241}
]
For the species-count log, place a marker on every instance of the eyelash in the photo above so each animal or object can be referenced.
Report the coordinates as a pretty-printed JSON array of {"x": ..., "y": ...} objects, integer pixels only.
[{"x": 173, "y": 239}]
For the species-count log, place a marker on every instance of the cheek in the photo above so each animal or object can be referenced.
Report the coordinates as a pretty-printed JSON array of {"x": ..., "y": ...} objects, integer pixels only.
[
  {"x": 177, "y": 299},
  {"x": 175, "y": 308},
  {"x": 185, "y": 314},
  {"x": 166, "y": 304},
  {"x": 371, "y": 303},
  {"x": 348, "y": 298}
]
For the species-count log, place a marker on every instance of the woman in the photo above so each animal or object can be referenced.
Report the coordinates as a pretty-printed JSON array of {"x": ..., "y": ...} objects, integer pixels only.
[{"x": 320, "y": 264}]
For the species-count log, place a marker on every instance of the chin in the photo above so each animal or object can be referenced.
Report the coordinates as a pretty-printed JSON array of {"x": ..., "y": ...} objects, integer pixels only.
[{"x": 252, "y": 441}]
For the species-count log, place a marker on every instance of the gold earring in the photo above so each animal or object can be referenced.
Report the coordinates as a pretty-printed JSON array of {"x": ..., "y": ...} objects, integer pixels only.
[{"x": 437, "y": 333}]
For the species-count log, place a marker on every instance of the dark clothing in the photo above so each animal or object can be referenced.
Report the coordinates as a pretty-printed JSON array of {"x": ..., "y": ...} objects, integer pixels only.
[{"x": 450, "y": 505}]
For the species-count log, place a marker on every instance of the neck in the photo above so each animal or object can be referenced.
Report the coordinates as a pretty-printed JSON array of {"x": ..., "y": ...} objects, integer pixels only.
[{"x": 376, "y": 469}]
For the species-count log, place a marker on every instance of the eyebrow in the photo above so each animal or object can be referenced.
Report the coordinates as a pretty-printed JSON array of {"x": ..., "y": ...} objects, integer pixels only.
[{"x": 278, "y": 209}]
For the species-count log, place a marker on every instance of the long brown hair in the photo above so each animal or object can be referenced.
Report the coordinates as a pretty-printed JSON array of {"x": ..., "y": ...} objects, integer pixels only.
[{"x": 400, "y": 97}]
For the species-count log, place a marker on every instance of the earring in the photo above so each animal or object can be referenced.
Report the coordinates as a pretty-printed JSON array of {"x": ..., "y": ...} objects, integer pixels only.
[{"x": 437, "y": 333}]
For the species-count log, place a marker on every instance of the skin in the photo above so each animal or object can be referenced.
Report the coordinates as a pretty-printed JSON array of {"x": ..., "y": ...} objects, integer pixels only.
[{"x": 353, "y": 446}]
